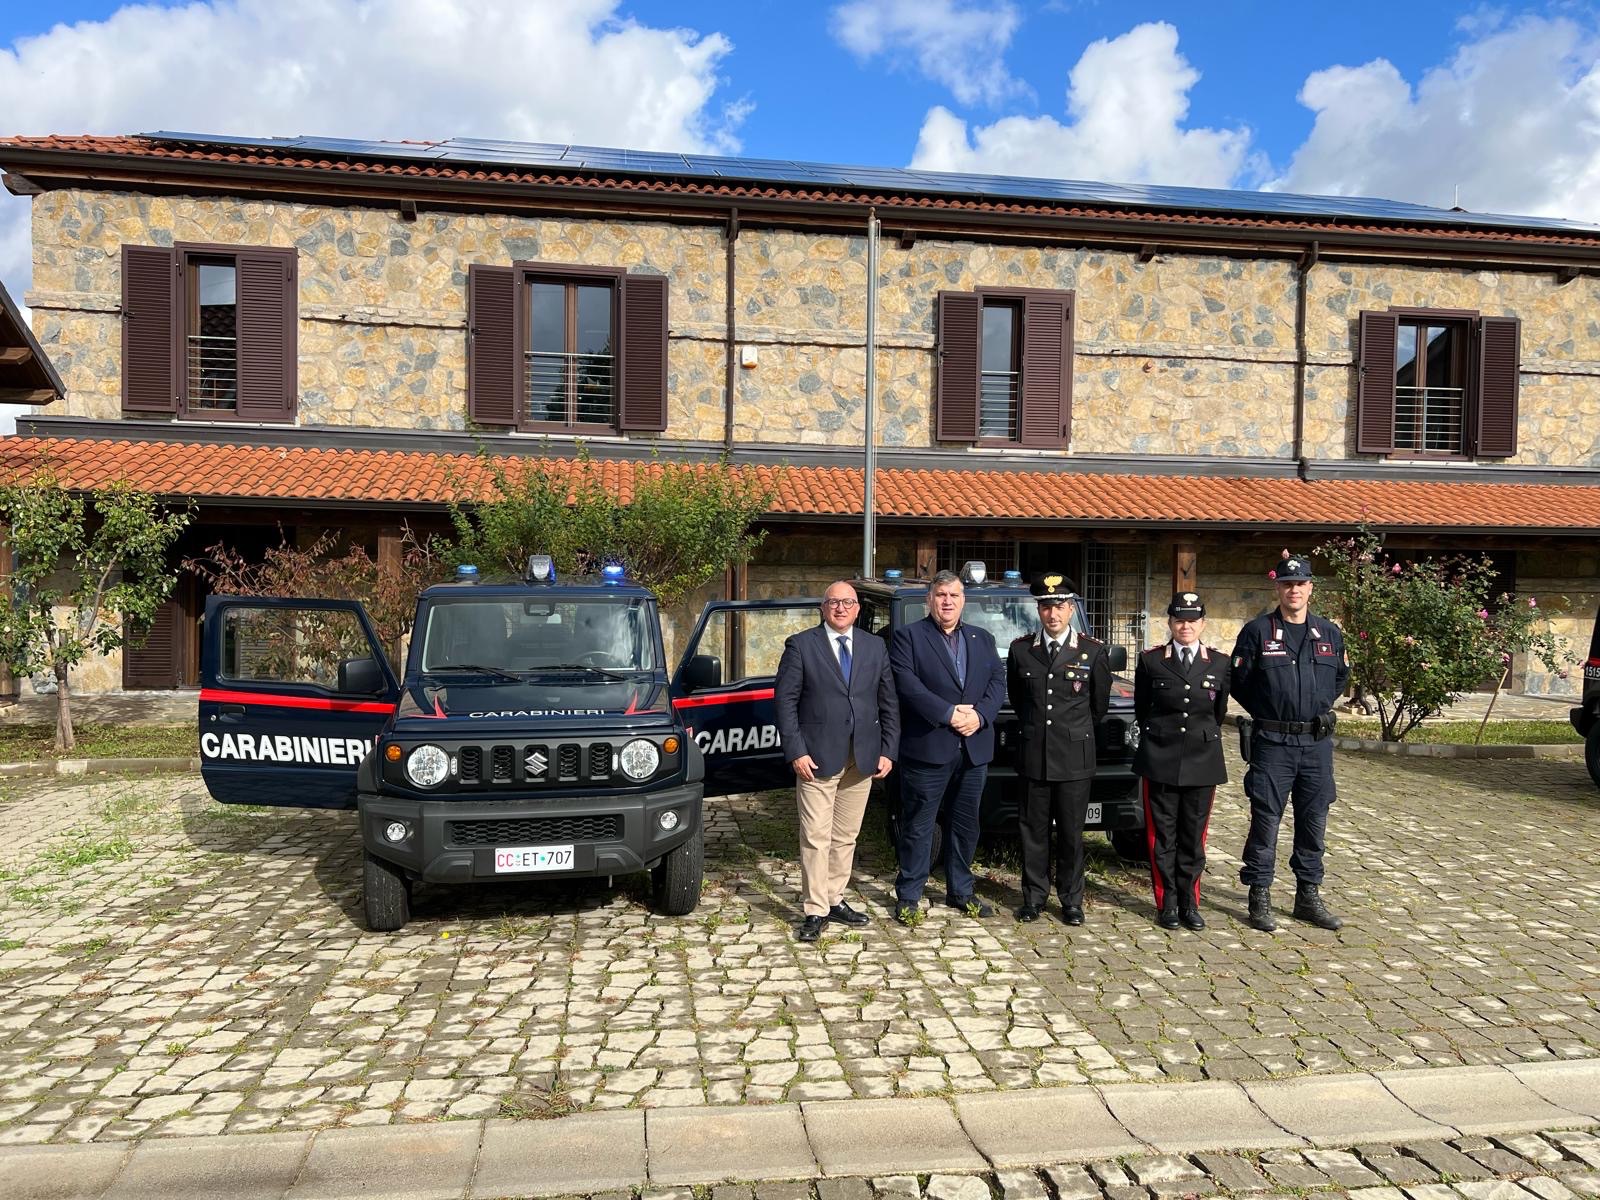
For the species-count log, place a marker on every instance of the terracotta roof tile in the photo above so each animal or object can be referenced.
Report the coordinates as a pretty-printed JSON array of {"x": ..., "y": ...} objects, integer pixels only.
[{"x": 300, "y": 475}]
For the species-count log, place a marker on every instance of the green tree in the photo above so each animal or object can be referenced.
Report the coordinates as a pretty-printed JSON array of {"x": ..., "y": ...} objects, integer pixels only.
[
  {"x": 89, "y": 570},
  {"x": 1420, "y": 634}
]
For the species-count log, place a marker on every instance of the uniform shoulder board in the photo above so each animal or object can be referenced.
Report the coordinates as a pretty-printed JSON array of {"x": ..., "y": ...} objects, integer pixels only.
[
  {"x": 1023, "y": 640},
  {"x": 1089, "y": 639},
  {"x": 1161, "y": 649}
]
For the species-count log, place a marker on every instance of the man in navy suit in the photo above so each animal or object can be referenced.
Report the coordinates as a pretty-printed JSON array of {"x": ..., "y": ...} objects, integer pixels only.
[
  {"x": 951, "y": 686},
  {"x": 840, "y": 728}
]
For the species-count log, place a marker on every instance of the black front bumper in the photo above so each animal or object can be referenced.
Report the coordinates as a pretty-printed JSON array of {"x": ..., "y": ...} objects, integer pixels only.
[{"x": 455, "y": 841}]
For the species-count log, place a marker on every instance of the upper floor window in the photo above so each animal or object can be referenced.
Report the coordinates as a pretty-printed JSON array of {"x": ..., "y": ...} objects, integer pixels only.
[
  {"x": 210, "y": 331},
  {"x": 553, "y": 347},
  {"x": 1004, "y": 367},
  {"x": 1438, "y": 383}
]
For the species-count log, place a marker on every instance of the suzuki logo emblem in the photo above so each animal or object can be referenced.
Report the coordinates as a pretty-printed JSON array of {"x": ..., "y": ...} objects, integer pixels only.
[{"x": 536, "y": 762}]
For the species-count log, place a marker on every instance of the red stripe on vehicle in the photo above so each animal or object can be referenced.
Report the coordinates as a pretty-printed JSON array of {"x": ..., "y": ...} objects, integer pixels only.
[
  {"x": 274, "y": 700},
  {"x": 729, "y": 698},
  {"x": 1150, "y": 841}
]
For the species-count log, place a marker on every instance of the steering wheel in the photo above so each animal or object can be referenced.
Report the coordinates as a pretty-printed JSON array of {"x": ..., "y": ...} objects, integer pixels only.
[{"x": 600, "y": 658}]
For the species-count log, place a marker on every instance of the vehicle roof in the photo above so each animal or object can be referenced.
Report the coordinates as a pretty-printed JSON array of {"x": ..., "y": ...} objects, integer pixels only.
[
  {"x": 585, "y": 587},
  {"x": 919, "y": 587}
]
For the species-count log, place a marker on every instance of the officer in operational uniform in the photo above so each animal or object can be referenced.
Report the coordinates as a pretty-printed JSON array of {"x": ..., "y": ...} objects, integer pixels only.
[
  {"x": 1180, "y": 694},
  {"x": 1059, "y": 683},
  {"x": 1289, "y": 666}
]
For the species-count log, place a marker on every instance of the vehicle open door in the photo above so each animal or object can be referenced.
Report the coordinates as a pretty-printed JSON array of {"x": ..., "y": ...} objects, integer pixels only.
[
  {"x": 723, "y": 690},
  {"x": 292, "y": 695}
]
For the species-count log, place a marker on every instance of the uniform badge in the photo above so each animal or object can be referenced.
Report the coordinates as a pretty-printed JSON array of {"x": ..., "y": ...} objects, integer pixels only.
[
  {"x": 1324, "y": 647},
  {"x": 1077, "y": 685},
  {"x": 1211, "y": 693},
  {"x": 1238, "y": 660}
]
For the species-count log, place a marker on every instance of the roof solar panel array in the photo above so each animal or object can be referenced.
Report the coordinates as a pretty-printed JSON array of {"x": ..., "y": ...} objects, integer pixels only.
[{"x": 494, "y": 152}]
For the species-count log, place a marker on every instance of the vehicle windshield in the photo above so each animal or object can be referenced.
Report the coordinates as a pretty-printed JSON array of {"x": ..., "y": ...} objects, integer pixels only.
[
  {"x": 1008, "y": 615},
  {"x": 518, "y": 634}
]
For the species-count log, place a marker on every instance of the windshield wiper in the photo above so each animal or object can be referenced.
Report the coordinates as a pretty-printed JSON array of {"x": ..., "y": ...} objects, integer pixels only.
[
  {"x": 590, "y": 667},
  {"x": 495, "y": 671}
]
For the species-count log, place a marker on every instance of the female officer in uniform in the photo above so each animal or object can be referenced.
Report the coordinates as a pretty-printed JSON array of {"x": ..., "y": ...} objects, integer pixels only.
[{"x": 1180, "y": 693}]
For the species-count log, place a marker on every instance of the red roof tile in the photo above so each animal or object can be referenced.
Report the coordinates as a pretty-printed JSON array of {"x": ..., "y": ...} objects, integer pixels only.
[{"x": 301, "y": 475}]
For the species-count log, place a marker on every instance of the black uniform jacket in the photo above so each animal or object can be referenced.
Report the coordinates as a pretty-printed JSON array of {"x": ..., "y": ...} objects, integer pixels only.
[
  {"x": 1272, "y": 682},
  {"x": 1180, "y": 716},
  {"x": 1058, "y": 707}
]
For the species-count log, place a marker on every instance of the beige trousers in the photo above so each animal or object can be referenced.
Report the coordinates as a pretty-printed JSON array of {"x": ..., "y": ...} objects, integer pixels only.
[{"x": 830, "y": 819}]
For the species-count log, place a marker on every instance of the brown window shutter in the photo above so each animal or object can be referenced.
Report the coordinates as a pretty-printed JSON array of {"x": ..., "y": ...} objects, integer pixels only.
[
  {"x": 1499, "y": 362},
  {"x": 269, "y": 314},
  {"x": 494, "y": 381},
  {"x": 1046, "y": 370},
  {"x": 958, "y": 353},
  {"x": 643, "y": 341},
  {"x": 151, "y": 329},
  {"x": 1379, "y": 332},
  {"x": 153, "y": 662}
]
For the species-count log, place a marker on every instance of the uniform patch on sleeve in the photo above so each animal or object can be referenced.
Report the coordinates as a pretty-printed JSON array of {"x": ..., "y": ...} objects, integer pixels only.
[{"x": 1238, "y": 660}]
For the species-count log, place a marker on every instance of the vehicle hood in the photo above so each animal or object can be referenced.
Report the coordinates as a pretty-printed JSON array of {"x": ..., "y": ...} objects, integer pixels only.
[{"x": 548, "y": 698}]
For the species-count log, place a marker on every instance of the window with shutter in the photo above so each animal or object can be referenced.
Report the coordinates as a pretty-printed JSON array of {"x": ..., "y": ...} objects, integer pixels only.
[
  {"x": 151, "y": 657},
  {"x": 1005, "y": 367},
  {"x": 150, "y": 329}
]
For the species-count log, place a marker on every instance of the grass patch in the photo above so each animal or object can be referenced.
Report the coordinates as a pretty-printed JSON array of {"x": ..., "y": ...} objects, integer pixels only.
[
  {"x": 82, "y": 851},
  {"x": 34, "y": 743},
  {"x": 1465, "y": 733}
]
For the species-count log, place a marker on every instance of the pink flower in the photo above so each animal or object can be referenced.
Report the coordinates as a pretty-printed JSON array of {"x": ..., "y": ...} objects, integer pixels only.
[
  {"x": 1272, "y": 574},
  {"x": 1483, "y": 614},
  {"x": 1561, "y": 674},
  {"x": 1425, "y": 666},
  {"x": 1363, "y": 635},
  {"x": 1505, "y": 658},
  {"x": 1410, "y": 641},
  {"x": 1395, "y": 570},
  {"x": 1283, "y": 554},
  {"x": 1533, "y": 602}
]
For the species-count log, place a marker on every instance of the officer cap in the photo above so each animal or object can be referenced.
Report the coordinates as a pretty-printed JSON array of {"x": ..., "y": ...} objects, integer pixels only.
[
  {"x": 1052, "y": 586},
  {"x": 1186, "y": 605},
  {"x": 1290, "y": 567}
]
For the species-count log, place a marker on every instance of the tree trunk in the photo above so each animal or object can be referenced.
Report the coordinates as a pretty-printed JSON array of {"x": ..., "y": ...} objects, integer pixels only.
[{"x": 64, "y": 737}]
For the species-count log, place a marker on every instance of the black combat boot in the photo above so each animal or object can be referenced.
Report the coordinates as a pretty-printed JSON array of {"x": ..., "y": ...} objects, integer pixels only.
[
  {"x": 1261, "y": 909},
  {"x": 1308, "y": 906}
]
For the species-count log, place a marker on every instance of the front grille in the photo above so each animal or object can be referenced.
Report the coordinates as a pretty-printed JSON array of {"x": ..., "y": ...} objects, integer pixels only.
[
  {"x": 533, "y": 831},
  {"x": 502, "y": 759},
  {"x": 567, "y": 760},
  {"x": 600, "y": 760},
  {"x": 498, "y": 766},
  {"x": 470, "y": 763}
]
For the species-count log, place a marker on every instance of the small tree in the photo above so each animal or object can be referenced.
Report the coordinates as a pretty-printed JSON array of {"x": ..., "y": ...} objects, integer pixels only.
[
  {"x": 102, "y": 558},
  {"x": 1420, "y": 634}
]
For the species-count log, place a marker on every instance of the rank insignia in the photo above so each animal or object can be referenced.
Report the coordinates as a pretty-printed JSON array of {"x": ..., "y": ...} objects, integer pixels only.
[{"x": 1077, "y": 685}]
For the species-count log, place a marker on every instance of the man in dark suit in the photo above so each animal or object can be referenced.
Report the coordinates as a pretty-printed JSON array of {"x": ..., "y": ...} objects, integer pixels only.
[
  {"x": 1060, "y": 687},
  {"x": 951, "y": 686},
  {"x": 839, "y": 725},
  {"x": 1180, "y": 695}
]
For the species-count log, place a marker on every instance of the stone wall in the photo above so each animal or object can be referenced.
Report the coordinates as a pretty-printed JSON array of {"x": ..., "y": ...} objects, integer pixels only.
[{"x": 1183, "y": 354}]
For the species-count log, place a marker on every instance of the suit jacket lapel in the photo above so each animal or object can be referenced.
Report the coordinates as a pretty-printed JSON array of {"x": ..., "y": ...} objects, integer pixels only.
[
  {"x": 943, "y": 652},
  {"x": 828, "y": 651}
]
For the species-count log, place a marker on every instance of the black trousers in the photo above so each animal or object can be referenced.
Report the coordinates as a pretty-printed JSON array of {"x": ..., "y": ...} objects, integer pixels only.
[
  {"x": 1061, "y": 804},
  {"x": 1175, "y": 820}
]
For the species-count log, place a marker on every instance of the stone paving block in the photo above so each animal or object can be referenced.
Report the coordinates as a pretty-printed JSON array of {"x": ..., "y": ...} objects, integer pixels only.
[
  {"x": 1574, "y": 1086},
  {"x": 256, "y": 1166},
  {"x": 1580, "y": 1144},
  {"x": 1233, "y": 1172},
  {"x": 1491, "y": 1189},
  {"x": 1109, "y": 1173},
  {"x": 1129, "y": 1191},
  {"x": 1044, "y": 1125},
  {"x": 1585, "y": 1183},
  {"x": 1398, "y": 1168},
  {"x": 1534, "y": 1148},
  {"x": 1343, "y": 1168},
  {"x": 875, "y": 1137},
  {"x": 709, "y": 1145},
  {"x": 1447, "y": 1160},
  {"x": 734, "y": 1191},
  {"x": 1162, "y": 1168},
  {"x": 1376, "y": 1193},
  {"x": 59, "y": 1172},
  {"x": 1021, "y": 1185},
  {"x": 415, "y": 1162},
  {"x": 581, "y": 1152},
  {"x": 1503, "y": 1162},
  {"x": 842, "y": 1189},
  {"x": 1072, "y": 1183},
  {"x": 1433, "y": 1191},
  {"x": 1215, "y": 1115},
  {"x": 1546, "y": 1188},
  {"x": 1289, "y": 1168},
  {"x": 791, "y": 1190},
  {"x": 957, "y": 1187},
  {"x": 1474, "y": 1099},
  {"x": 1340, "y": 1110},
  {"x": 897, "y": 1186}
]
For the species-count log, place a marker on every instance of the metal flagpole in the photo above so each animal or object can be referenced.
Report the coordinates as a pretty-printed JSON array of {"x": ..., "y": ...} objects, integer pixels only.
[{"x": 869, "y": 549}]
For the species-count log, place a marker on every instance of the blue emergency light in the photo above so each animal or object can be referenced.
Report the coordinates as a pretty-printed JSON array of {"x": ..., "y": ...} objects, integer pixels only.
[
  {"x": 892, "y": 575},
  {"x": 611, "y": 574},
  {"x": 466, "y": 573},
  {"x": 541, "y": 569},
  {"x": 1013, "y": 576}
]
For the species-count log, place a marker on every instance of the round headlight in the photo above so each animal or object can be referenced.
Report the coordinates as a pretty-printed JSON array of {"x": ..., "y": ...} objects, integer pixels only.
[
  {"x": 1130, "y": 735},
  {"x": 427, "y": 766},
  {"x": 639, "y": 759}
]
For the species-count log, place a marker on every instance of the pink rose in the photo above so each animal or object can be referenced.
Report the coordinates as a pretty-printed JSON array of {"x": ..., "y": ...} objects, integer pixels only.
[
  {"x": 1272, "y": 574},
  {"x": 1395, "y": 570},
  {"x": 1283, "y": 554},
  {"x": 1533, "y": 602},
  {"x": 1362, "y": 635},
  {"x": 1505, "y": 658},
  {"x": 1483, "y": 614},
  {"x": 1410, "y": 641}
]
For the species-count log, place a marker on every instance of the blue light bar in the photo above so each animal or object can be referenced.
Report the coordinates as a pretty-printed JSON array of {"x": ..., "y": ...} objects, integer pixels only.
[
  {"x": 611, "y": 574},
  {"x": 466, "y": 573},
  {"x": 1013, "y": 576},
  {"x": 892, "y": 575}
]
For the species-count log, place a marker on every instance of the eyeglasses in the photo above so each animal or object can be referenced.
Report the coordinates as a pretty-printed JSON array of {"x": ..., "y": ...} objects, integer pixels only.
[{"x": 840, "y": 603}]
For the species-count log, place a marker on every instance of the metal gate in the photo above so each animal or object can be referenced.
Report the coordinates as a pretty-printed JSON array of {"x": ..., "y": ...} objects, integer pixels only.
[{"x": 1116, "y": 595}]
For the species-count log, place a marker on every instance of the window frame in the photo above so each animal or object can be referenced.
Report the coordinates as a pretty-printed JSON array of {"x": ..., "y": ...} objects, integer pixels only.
[
  {"x": 526, "y": 274},
  {"x": 1465, "y": 321},
  {"x": 1017, "y": 305},
  {"x": 1019, "y": 298}
]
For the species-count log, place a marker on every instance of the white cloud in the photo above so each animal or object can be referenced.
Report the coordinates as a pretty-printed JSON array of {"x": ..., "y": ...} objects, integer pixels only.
[
  {"x": 1127, "y": 99},
  {"x": 959, "y": 45},
  {"x": 1513, "y": 119}
]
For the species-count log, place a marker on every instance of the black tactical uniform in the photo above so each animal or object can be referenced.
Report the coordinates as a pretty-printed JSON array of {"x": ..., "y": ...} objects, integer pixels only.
[
  {"x": 1179, "y": 707},
  {"x": 1059, "y": 700}
]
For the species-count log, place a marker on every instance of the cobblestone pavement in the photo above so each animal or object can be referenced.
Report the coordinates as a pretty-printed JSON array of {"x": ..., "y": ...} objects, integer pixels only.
[{"x": 171, "y": 966}]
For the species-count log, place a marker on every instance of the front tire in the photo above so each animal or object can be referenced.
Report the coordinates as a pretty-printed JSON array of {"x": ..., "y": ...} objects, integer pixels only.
[
  {"x": 676, "y": 880},
  {"x": 387, "y": 895},
  {"x": 1591, "y": 753},
  {"x": 1129, "y": 845}
]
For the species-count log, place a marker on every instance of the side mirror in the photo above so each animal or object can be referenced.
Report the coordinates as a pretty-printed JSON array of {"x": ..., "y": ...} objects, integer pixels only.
[
  {"x": 1117, "y": 657},
  {"x": 701, "y": 672},
  {"x": 360, "y": 676}
]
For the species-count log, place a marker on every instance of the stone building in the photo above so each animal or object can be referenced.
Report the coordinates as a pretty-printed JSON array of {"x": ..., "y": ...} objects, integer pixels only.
[{"x": 1141, "y": 386}]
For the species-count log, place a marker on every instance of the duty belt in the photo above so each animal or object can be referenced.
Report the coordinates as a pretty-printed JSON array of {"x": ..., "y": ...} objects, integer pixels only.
[{"x": 1319, "y": 726}]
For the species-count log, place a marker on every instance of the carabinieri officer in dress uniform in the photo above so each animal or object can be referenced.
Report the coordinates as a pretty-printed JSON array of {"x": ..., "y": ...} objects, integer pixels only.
[
  {"x": 1059, "y": 682},
  {"x": 1289, "y": 666},
  {"x": 1180, "y": 694}
]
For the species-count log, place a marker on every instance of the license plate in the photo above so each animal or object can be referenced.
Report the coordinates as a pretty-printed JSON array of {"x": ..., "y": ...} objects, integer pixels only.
[
  {"x": 1091, "y": 815},
  {"x": 532, "y": 858}
]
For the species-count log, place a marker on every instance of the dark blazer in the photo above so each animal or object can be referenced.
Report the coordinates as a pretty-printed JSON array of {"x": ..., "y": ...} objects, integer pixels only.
[
  {"x": 1180, "y": 716},
  {"x": 1058, "y": 707},
  {"x": 819, "y": 716},
  {"x": 926, "y": 680}
]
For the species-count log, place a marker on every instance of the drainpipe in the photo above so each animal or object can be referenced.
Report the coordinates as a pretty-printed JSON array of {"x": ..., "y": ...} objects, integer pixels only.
[
  {"x": 728, "y": 336},
  {"x": 1303, "y": 270}
]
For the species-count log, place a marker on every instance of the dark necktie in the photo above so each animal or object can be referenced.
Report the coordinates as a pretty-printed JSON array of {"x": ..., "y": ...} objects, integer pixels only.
[
  {"x": 1188, "y": 657},
  {"x": 844, "y": 657},
  {"x": 1053, "y": 647}
]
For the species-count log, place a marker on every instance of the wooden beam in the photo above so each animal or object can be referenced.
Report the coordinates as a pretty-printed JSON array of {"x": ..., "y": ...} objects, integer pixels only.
[
  {"x": 11, "y": 356},
  {"x": 1185, "y": 573},
  {"x": 26, "y": 395},
  {"x": 927, "y": 555}
]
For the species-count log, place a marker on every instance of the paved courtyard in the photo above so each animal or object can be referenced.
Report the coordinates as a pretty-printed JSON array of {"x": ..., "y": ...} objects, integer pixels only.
[{"x": 169, "y": 966}]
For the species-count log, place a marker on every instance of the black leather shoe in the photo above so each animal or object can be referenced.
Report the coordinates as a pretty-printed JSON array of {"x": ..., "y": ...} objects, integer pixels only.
[
  {"x": 1028, "y": 912},
  {"x": 1308, "y": 906},
  {"x": 846, "y": 915},
  {"x": 1191, "y": 919},
  {"x": 1072, "y": 915},
  {"x": 1167, "y": 918},
  {"x": 1261, "y": 909},
  {"x": 971, "y": 905},
  {"x": 811, "y": 929}
]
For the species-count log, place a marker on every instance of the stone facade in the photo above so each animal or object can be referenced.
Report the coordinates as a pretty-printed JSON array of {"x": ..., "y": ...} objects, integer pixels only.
[{"x": 1183, "y": 354}]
